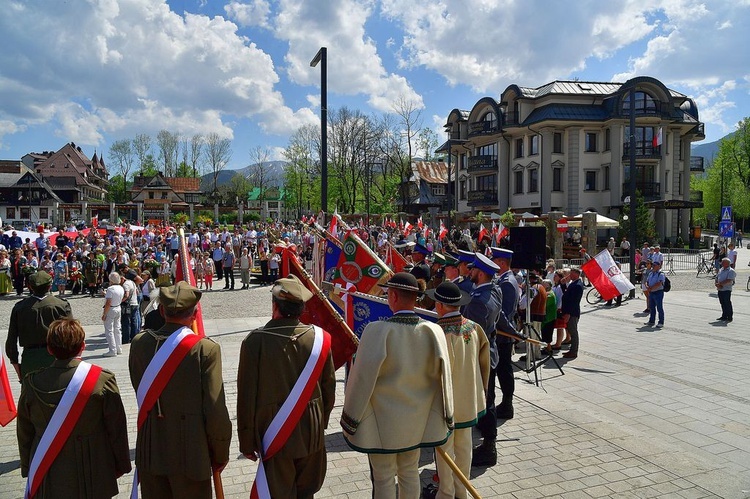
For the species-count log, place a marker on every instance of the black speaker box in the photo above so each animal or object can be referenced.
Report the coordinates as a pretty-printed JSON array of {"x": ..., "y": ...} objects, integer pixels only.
[{"x": 529, "y": 245}]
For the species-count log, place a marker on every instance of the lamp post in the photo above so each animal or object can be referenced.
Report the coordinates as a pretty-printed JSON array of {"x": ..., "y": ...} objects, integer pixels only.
[
  {"x": 322, "y": 58},
  {"x": 632, "y": 188}
]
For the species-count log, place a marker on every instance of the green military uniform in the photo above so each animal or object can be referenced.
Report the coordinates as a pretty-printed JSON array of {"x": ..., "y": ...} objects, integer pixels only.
[
  {"x": 271, "y": 360},
  {"x": 29, "y": 321},
  {"x": 188, "y": 430},
  {"x": 97, "y": 451}
]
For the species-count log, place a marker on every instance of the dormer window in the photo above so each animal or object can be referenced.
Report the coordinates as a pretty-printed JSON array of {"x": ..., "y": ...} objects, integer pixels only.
[{"x": 644, "y": 103}]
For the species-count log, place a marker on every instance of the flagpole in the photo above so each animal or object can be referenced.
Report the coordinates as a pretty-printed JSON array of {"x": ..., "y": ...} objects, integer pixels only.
[{"x": 457, "y": 471}]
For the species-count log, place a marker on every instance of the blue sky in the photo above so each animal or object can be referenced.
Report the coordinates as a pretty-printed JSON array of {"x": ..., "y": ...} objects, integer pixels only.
[{"x": 96, "y": 71}]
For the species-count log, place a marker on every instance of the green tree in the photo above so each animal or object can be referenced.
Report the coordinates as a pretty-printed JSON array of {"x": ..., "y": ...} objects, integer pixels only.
[
  {"x": 645, "y": 227},
  {"x": 148, "y": 166}
]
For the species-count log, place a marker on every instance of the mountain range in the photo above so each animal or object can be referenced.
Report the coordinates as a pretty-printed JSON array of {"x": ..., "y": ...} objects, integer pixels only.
[{"x": 275, "y": 177}]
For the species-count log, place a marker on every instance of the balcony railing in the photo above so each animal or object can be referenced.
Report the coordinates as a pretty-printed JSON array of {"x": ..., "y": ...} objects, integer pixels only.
[
  {"x": 651, "y": 191},
  {"x": 643, "y": 149},
  {"x": 482, "y": 198},
  {"x": 482, "y": 163},
  {"x": 510, "y": 119},
  {"x": 655, "y": 109},
  {"x": 696, "y": 164},
  {"x": 483, "y": 128}
]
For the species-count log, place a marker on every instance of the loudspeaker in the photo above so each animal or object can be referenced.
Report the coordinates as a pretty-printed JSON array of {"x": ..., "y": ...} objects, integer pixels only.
[{"x": 529, "y": 247}]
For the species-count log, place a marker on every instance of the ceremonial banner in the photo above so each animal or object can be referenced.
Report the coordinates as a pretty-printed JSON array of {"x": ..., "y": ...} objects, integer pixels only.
[
  {"x": 356, "y": 264},
  {"x": 367, "y": 308},
  {"x": 394, "y": 259},
  {"x": 319, "y": 311},
  {"x": 606, "y": 276},
  {"x": 8, "y": 410}
]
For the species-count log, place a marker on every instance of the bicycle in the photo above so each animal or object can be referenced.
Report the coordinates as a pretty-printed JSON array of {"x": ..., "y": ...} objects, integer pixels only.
[
  {"x": 593, "y": 296},
  {"x": 705, "y": 267}
]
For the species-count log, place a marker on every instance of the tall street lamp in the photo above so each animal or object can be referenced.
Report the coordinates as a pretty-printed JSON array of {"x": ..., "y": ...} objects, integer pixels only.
[{"x": 322, "y": 58}]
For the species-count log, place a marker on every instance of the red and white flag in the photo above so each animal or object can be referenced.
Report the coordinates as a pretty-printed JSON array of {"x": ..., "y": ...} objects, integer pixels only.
[
  {"x": 407, "y": 228},
  {"x": 304, "y": 219},
  {"x": 419, "y": 223},
  {"x": 333, "y": 226},
  {"x": 95, "y": 221},
  {"x": 482, "y": 233},
  {"x": 443, "y": 232},
  {"x": 502, "y": 231},
  {"x": 658, "y": 138},
  {"x": 7, "y": 404},
  {"x": 606, "y": 276}
]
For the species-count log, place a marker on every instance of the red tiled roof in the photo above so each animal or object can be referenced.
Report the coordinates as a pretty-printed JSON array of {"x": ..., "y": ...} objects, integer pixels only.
[{"x": 184, "y": 184}]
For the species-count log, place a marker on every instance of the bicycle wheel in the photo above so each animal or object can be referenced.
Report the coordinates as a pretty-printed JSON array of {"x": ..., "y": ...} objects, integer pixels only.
[{"x": 593, "y": 296}]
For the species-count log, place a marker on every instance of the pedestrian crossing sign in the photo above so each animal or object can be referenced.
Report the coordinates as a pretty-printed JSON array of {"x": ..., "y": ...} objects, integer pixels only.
[{"x": 726, "y": 213}]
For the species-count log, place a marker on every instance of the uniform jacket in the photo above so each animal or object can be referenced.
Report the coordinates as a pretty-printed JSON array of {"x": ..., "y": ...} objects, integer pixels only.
[
  {"x": 469, "y": 354},
  {"x": 271, "y": 360},
  {"x": 29, "y": 321},
  {"x": 188, "y": 429},
  {"x": 464, "y": 283},
  {"x": 507, "y": 286},
  {"x": 96, "y": 452},
  {"x": 484, "y": 309},
  {"x": 399, "y": 394}
]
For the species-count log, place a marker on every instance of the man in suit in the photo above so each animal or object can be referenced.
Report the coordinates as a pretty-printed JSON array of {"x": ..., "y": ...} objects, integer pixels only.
[
  {"x": 272, "y": 359},
  {"x": 571, "y": 310},
  {"x": 187, "y": 433},
  {"x": 96, "y": 453},
  {"x": 29, "y": 321}
]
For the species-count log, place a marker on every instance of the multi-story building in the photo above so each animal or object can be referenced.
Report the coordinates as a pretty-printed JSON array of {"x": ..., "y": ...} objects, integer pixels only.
[
  {"x": 565, "y": 147},
  {"x": 162, "y": 196},
  {"x": 74, "y": 177},
  {"x": 25, "y": 198},
  {"x": 426, "y": 188},
  {"x": 272, "y": 204}
]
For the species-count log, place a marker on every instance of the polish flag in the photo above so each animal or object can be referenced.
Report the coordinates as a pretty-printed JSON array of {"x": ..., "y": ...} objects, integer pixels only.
[
  {"x": 304, "y": 219},
  {"x": 482, "y": 233},
  {"x": 407, "y": 228},
  {"x": 419, "y": 223},
  {"x": 658, "y": 139},
  {"x": 332, "y": 227},
  {"x": 606, "y": 276},
  {"x": 8, "y": 410},
  {"x": 443, "y": 232},
  {"x": 502, "y": 231}
]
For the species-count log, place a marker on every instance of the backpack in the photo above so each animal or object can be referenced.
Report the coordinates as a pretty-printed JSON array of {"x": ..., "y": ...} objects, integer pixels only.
[{"x": 667, "y": 284}]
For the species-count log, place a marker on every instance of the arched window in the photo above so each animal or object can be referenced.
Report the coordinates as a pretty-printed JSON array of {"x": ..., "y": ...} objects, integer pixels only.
[{"x": 644, "y": 103}]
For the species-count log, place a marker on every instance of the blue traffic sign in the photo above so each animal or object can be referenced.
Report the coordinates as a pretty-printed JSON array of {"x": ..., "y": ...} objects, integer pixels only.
[
  {"x": 726, "y": 213},
  {"x": 726, "y": 229}
]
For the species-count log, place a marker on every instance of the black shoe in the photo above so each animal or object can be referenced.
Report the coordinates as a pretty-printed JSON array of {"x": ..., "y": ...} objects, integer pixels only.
[
  {"x": 721, "y": 319},
  {"x": 649, "y": 324},
  {"x": 504, "y": 412},
  {"x": 429, "y": 491},
  {"x": 484, "y": 455},
  {"x": 728, "y": 320}
]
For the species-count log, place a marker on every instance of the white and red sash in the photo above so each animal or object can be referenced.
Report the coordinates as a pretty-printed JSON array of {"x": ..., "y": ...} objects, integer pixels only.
[
  {"x": 286, "y": 419},
  {"x": 61, "y": 425},
  {"x": 158, "y": 373}
]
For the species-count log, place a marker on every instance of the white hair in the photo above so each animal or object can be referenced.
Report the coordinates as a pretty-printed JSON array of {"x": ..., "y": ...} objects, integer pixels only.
[{"x": 114, "y": 278}]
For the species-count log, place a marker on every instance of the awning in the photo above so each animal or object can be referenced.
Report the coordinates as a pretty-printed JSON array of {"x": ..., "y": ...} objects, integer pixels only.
[{"x": 602, "y": 222}]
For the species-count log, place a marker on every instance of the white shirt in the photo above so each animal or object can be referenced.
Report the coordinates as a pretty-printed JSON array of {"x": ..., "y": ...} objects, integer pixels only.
[
  {"x": 129, "y": 287},
  {"x": 114, "y": 295}
]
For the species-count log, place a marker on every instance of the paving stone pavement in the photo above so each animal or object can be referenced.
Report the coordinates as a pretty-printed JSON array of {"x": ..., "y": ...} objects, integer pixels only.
[{"x": 640, "y": 413}]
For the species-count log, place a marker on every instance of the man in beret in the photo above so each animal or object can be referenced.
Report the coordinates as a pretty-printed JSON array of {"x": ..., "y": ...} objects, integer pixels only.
[
  {"x": 418, "y": 257},
  {"x": 399, "y": 395},
  {"x": 29, "y": 321},
  {"x": 469, "y": 353},
  {"x": 186, "y": 435},
  {"x": 272, "y": 359}
]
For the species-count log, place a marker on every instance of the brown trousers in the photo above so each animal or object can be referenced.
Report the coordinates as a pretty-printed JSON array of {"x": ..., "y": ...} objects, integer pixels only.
[
  {"x": 300, "y": 478},
  {"x": 173, "y": 487}
]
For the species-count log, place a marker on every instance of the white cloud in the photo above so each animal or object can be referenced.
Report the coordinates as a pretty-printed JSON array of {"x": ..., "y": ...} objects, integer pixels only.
[
  {"x": 252, "y": 13},
  {"x": 490, "y": 44},
  {"x": 145, "y": 68},
  {"x": 354, "y": 66}
]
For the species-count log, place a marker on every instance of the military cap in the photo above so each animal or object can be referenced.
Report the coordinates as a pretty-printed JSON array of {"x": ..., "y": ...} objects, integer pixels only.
[
  {"x": 403, "y": 243},
  {"x": 182, "y": 296},
  {"x": 449, "y": 294},
  {"x": 465, "y": 256},
  {"x": 402, "y": 281},
  {"x": 450, "y": 260},
  {"x": 40, "y": 279},
  {"x": 290, "y": 288},
  {"x": 484, "y": 264},
  {"x": 419, "y": 248},
  {"x": 438, "y": 258},
  {"x": 501, "y": 253}
]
